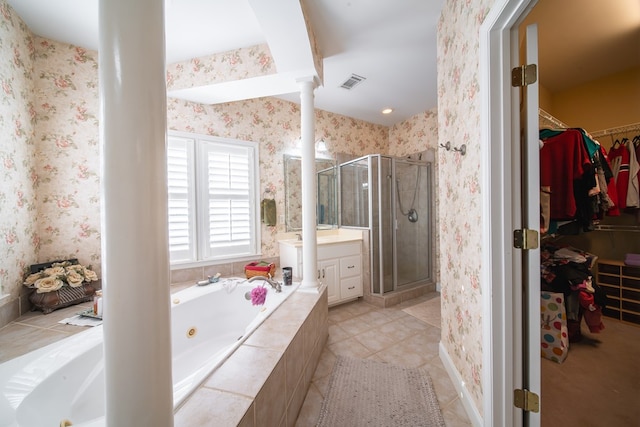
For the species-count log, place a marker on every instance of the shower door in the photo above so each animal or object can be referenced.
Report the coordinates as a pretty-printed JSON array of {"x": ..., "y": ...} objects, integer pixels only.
[
  {"x": 392, "y": 198},
  {"x": 412, "y": 222}
]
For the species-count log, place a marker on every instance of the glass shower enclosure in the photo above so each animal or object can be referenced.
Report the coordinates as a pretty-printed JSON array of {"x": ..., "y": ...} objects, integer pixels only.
[{"x": 391, "y": 197}]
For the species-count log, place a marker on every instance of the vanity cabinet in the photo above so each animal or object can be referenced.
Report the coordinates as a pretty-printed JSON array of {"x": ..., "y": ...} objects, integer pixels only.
[{"x": 339, "y": 267}]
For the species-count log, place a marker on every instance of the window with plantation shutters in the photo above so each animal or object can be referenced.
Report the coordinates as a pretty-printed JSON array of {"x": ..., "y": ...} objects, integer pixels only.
[
  {"x": 214, "y": 214},
  {"x": 181, "y": 185}
]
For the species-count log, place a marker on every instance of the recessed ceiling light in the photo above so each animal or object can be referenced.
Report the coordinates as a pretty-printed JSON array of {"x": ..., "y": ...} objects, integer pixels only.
[{"x": 387, "y": 111}]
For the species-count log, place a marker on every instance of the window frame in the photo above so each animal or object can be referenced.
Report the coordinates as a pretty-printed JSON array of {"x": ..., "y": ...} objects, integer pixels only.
[{"x": 202, "y": 145}]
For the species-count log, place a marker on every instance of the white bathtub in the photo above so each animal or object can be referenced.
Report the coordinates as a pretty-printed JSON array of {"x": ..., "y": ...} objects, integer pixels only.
[{"x": 65, "y": 380}]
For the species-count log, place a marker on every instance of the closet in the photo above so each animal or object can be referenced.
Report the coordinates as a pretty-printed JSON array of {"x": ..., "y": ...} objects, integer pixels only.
[
  {"x": 588, "y": 188},
  {"x": 590, "y": 260}
]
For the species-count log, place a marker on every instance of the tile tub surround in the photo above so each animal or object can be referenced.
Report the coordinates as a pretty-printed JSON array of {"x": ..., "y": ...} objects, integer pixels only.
[{"x": 265, "y": 381}]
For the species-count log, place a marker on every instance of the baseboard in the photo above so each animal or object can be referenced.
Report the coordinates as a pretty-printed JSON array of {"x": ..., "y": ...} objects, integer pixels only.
[{"x": 461, "y": 388}]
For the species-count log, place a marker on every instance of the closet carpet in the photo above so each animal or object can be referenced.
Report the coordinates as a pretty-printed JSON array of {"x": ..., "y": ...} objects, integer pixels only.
[{"x": 599, "y": 382}]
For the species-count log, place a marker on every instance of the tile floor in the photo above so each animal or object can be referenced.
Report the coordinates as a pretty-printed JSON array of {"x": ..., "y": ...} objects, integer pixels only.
[
  {"x": 356, "y": 329},
  {"x": 389, "y": 335}
]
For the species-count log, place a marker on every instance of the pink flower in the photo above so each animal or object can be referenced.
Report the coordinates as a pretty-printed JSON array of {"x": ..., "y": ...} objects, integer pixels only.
[{"x": 258, "y": 295}]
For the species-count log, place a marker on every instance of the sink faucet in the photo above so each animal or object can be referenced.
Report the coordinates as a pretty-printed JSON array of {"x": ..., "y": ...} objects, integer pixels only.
[{"x": 274, "y": 284}]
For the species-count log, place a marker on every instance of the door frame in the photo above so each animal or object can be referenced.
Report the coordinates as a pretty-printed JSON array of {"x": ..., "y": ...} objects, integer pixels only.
[{"x": 501, "y": 316}]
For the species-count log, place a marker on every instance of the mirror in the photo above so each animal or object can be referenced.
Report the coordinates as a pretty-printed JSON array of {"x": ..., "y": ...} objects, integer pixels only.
[{"x": 327, "y": 209}]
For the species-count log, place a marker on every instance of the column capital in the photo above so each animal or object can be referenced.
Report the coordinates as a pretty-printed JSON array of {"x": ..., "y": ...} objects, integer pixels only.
[{"x": 306, "y": 80}]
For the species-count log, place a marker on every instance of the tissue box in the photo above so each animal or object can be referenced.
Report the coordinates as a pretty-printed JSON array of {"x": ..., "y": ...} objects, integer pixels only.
[{"x": 554, "y": 334}]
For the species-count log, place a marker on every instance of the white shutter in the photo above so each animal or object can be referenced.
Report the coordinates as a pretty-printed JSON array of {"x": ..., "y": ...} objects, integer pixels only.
[
  {"x": 181, "y": 179},
  {"x": 228, "y": 209}
]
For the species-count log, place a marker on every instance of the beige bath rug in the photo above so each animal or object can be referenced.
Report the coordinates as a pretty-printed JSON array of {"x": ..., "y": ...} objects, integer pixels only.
[
  {"x": 428, "y": 311},
  {"x": 370, "y": 393}
]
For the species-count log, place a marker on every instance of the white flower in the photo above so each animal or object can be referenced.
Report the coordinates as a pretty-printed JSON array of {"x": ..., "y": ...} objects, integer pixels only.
[
  {"x": 90, "y": 275},
  {"x": 53, "y": 271},
  {"x": 48, "y": 284},
  {"x": 32, "y": 278},
  {"x": 74, "y": 279}
]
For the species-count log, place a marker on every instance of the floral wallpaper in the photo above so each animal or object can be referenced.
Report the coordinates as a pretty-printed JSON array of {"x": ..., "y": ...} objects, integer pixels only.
[
  {"x": 237, "y": 64},
  {"x": 459, "y": 188},
  {"x": 68, "y": 152},
  {"x": 18, "y": 167}
]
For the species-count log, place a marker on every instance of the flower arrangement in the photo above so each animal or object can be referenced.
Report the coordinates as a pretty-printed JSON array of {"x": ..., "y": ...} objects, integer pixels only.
[{"x": 60, "y": 274}]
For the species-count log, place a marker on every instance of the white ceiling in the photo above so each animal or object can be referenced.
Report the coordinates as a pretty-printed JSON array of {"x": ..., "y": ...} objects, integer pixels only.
[{"x": 392, "y": 43}]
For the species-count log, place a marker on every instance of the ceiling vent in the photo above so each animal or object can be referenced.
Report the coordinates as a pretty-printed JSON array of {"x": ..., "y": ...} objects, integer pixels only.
[{"x": 352, "y": 81}]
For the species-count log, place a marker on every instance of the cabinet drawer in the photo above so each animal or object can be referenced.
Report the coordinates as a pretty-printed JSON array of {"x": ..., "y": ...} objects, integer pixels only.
[
  {"x": 610, "y": 280},
  {"x": 630, "y": 317},
  {"x": 613, "y": 303},
  {"x": 632, "y": 295},
  {"x": 611, "y": 312},
  {"x": 611, "y": 291},
  {"x": 631, "y": 306},
  {"x": 351, "y": 266},
  {"x": 608, "y": 268},
  {"x": 631, "y": 283},
  {"x": 351, "y": 287},
  {"x": 631, "y": 271}
]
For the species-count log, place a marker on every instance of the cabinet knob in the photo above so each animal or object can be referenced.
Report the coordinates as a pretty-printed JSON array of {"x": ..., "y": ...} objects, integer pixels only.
[
  {"x": 351, "y": 266},
  {"x": 352, "y": 287}
]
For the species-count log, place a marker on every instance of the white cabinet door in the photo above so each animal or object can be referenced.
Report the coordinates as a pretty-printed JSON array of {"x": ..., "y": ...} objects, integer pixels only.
[{"x": 328, "y": 274}]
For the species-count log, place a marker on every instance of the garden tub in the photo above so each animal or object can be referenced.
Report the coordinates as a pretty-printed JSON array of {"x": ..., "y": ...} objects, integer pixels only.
[{"x": 65, "y": 380}]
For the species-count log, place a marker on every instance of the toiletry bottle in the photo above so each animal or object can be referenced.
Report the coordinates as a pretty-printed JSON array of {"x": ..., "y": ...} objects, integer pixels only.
[{"x": 97, "y": 303}]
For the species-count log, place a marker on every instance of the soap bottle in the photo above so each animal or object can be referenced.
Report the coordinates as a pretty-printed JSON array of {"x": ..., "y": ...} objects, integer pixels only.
[{"x": 97, "y": 304}]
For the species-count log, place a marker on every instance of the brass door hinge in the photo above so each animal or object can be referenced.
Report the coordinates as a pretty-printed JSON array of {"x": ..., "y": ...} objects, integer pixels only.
[
  {"x": 525, "y": 239},
  {"x": 524, "y": 75},
  {"x": 526, "y": 400}
]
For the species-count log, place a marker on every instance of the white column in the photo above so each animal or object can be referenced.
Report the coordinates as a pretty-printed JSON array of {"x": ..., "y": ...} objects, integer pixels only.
[
  {"x": 135, "y": 261},
  {"x": 309, "y": 185}
]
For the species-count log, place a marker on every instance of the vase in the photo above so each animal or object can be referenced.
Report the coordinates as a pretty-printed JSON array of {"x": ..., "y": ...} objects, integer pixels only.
[{"x": 63, "y": 297}]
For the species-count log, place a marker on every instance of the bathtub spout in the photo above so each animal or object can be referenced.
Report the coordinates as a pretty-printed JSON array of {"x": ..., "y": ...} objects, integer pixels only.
[{"x": 274, "y": 284}]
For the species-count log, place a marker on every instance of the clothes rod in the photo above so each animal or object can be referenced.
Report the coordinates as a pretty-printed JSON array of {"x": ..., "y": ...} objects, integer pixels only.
[
  {"x": 557, "y": 123},
  {"x": 618, "y": 130},
  {"x": 632, "y": 228}
]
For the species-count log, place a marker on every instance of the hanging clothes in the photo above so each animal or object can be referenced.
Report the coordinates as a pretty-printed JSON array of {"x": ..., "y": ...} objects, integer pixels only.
[
  {"x": 633, "y": 191},
  {"x": 564, "y": 161},
  {"x": 619, "y": 155},
  {"x": 609, "y": 176}
]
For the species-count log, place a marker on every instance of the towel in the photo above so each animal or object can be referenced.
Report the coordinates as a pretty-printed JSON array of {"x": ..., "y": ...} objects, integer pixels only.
[
  {"x": 268, "y": 209},
  {"x": 79, "y": 320}
]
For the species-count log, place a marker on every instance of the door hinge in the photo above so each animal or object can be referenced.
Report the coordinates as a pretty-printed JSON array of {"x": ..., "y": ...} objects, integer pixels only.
[
  {"x": 524, "y": 75},
  {"x": 525, "y": 239},
  {"x": 526, "y": 400}
]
